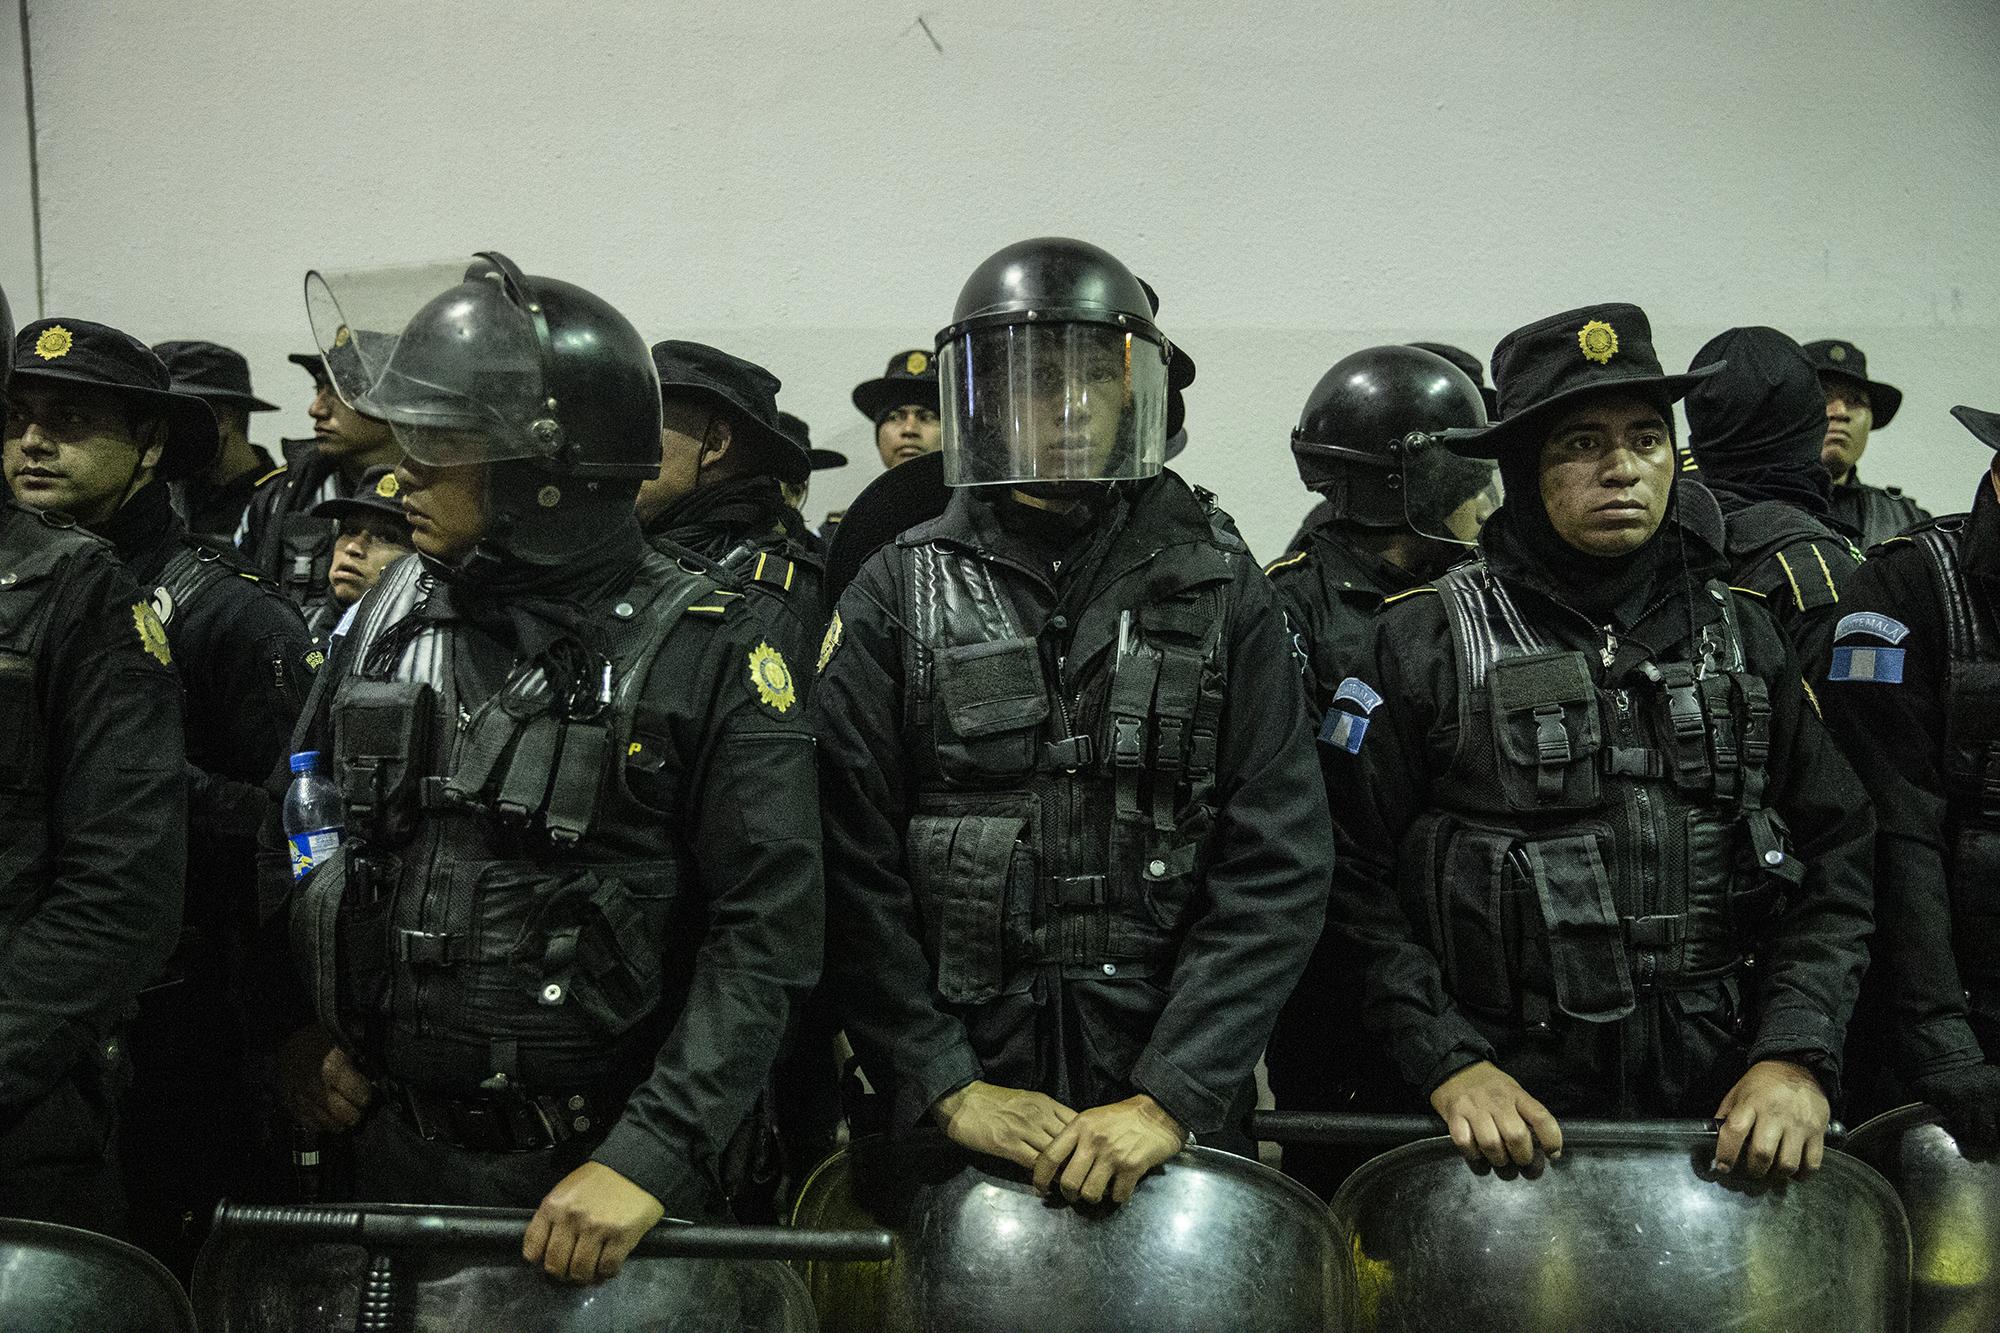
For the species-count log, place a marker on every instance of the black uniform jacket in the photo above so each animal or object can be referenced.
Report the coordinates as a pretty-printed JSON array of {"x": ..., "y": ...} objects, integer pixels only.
[
  {"x": 1263, "y": 893},
  {"x": 1872, "y": 514},
  {"x": 214, "y": 513},
  {"x": 1798, "y": 564},
  {"x": 1895, "y": 734},
  {"x": 89, "y": 920},
  {"x": 1808, "y": 964},
  {"x": 1331, "y": 590}
]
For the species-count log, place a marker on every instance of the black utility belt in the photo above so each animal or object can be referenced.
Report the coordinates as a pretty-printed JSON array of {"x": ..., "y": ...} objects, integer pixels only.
[{"x": 506, "y": 1120}]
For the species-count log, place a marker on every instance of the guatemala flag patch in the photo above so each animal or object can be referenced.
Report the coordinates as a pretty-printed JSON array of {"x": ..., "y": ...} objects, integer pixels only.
[
  {"x": 1882, "y": 666},
  {"x": 1343, "y": 730}
]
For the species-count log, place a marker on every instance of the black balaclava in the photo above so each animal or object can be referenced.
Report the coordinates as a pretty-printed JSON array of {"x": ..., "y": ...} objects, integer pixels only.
[
  {"x": 1521, "y": 543},
  {"x": 1755, "y": 426}
]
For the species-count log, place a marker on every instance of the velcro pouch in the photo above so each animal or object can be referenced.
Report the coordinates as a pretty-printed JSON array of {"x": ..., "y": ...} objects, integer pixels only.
[
  {"x": 1547, "y": 731},
  {"x": 962, "y": 872},
  {"x": 991, "y": 702},
  {"x": 1588, "y": 966}
]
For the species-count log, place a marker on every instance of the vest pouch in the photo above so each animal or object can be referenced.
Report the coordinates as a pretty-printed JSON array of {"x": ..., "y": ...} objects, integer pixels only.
[
  {"x": 968, "y": 873},
  {"x": 1547, "y": 731},
  {"x": 1477, "y": 905},
  {"x": 340, "y": 933},
  {"x": 591, "y": 945},
  {"x": 382, "y": 745},
  {"x": 305, "y": 553},
  {"x": 17, "y": 703},
  {"x": 991, "y": 702},
  {"x": 1588, "y": 967}
]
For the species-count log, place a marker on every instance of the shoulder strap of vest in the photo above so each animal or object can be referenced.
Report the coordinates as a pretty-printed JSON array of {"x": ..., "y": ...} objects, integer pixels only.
[
  {"x": 193, "y": 568},
  {"x": 1940, "y": 544},
  {"x": 1486, "y": 624},
  {"x": 937, "y": 577}
]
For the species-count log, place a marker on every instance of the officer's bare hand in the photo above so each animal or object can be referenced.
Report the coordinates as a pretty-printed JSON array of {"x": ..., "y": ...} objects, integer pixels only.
[
  {"x": 588, "y": 1223},
  {"x": 1109, "y": 1149},
  {"x": 318, "y": 1085},
  {"x": 1013, "y": 1123},
  {"x": 1491, "y": 1116},
  {"x": 1774, "y": 1121}
]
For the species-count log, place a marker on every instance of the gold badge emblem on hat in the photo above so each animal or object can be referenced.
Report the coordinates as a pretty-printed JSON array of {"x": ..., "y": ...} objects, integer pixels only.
[
  {"x": 152, "y": 634},
  {"x": 54, "y": 342},
  {"x": 829, "y": 644},
  {"x": 342, "y": 336},
  {"x": 387, "y": 486},
  {"x": 917, "y": 363},
  {"x": 1598, "y": 340},
  {"x": 772, "y": 679},
  {"x": 1836, "y": 353}
]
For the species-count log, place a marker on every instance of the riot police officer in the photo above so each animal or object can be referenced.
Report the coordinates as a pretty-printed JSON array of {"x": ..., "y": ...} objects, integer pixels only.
[
  {"x": 581, "y": 882},
  {"x": 1579, "y": 788},
  {"x": 724, "y": 463},
  {"x": 1912, "y": 689},
  {"x": 1755, "y": 428},
  {"x": 280, "y": 533},
  {"x": 93, "y": 805},
  {"x": 1075, "y": 838},
  {"x": 241, "y": 652},
  {"x": 1856, "y": 407}
]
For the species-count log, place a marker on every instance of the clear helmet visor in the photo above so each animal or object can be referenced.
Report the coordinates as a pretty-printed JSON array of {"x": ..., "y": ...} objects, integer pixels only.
[
  {"x": 1052, "y": 402},
  {"x": 1446, "y": 497},
  {"x": 449, "y": 355}
]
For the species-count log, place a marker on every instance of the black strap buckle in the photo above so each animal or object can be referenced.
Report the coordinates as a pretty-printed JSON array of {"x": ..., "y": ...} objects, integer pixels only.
[
  {"x": 1070, "y": 754},
  {"x": 1551, "y": 737},
  {"x": 1127, "y": 742},
  {"x": 426, "y": 948}
]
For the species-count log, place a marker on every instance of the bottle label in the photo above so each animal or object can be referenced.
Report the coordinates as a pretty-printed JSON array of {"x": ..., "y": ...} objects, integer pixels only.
[{"x": 309, "y": 849}]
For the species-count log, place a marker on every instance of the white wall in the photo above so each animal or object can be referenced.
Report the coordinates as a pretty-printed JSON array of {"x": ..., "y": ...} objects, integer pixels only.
[
  {"x": 807, "y": 183},
  {"x": 17, "y": 201}
]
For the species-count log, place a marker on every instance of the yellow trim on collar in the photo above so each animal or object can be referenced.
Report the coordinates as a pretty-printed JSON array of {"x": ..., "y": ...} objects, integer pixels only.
[
  {"x": 1284, "y": 562},
  {"x": 1395, "y": 597}
]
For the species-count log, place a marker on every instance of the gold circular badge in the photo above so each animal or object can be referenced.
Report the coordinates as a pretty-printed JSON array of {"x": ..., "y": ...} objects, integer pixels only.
[
  {"x": 152, "y": 634},
  {"x": 1598, "y": 340},
  {"x": 829, "y": 644},
  {"x": 548, "y": 497},
  {"x": 772, "y": 679},
  {"x": 1836, "y": 353},
  {"x": 54, "y": 342},
  {"x": 917, "y": 363},
  {"x": 387, "y": 486}
]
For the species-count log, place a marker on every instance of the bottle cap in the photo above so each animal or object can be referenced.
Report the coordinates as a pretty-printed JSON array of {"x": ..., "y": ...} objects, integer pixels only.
[{"x": 304, "y": 760}]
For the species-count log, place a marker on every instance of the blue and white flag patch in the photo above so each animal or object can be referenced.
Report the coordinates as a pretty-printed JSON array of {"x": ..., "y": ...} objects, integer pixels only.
[
  {"x": 1886, "y": 628},
  {"x": 1358, "y": 691},
  {"x": 1343, "y": 730},
  {"x": 1881, "y": 666}
]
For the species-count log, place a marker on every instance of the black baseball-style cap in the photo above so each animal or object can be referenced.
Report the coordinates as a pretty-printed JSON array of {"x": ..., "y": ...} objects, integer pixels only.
[{"x": 78, "y": 351}]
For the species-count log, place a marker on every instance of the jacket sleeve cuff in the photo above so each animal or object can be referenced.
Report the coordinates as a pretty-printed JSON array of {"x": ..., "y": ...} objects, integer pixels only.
[
  {"x": 1941, "y": 1044},
  {"x": 1199, "y": 1110},
  {"x": 658, "y": 1168},
  {"x": 917, "y": 1090},
  {"x": 1440, "y": 1048},
  {"x": 1804, "y": 1037}
]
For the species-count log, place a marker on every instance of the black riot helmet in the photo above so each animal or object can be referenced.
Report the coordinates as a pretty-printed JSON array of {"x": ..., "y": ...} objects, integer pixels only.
[
  {"x": 542, "y": 381},
  {"x": 1368, "y": 439},
  {"x": 1052, "y": 370}
]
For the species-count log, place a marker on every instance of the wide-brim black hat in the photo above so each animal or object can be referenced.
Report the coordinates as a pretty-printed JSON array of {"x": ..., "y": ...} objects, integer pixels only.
[
  {"x": 1985, "y": 426},
  {"x": 211, "y": 371},
  {"x": 378, "y": 493},
  {"x": 744, "y": 391},
  {"x": 911, "y": 380},
  {"x": 1543, "y": 370},
  {"x": 78, "y": 351},
  {"x": 1833, "y": 356}
]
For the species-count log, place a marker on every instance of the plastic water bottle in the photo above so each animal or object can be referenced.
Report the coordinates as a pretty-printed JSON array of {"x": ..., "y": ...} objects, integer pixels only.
[{"x": 313, "y": 818}]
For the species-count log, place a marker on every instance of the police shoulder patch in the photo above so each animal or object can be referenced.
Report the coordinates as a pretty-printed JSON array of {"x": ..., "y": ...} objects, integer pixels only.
[
  {"x": 1865, "y": 665},
  {"x": 152, "y": 634},
  {"x": 1360, "y": 692},
  {"x": 771, "y": 679},
  {"x": 1343, "y": 730},
  {"x": 1874, "y": 623},
  {"x": 829, "y": 644}
]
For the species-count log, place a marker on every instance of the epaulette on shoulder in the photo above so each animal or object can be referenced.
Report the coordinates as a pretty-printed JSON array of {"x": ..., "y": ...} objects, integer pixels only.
[
  {"x": 1285, "y": 562},
  {"x": 1396, "y": 597},
  {"x": 277, "y": 471},
  {"x": 1750, "y": 592},
  {"x": 773, "y": 571},
  {"x": 716, "y": 603}
]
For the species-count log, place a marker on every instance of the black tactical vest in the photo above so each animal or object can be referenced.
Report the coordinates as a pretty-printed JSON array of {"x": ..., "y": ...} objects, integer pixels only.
[
  {"x": 1065, "y": 779},
  {"x": 1971, "y": 765},
  {"x": 33, "y": 553},
  {"x": 503, "y": 904},
  {"x": 1594, "y": 841}
]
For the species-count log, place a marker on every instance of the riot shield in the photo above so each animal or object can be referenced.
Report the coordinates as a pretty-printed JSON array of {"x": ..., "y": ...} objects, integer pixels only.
[
  {"x": 57, "y": 1279},
  {"x": 1210, "y": 1241},
  {"x": 1954, "y": 1207}
]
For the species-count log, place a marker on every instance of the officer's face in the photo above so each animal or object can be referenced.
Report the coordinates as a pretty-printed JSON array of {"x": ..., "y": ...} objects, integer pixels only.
[
  {"x": 446, "y": 506},
  {"x": 692, "y": 439},
  {"x": 911, "y": 431},
  {"x": 1078, "y": 399},
  {"x": 1607, "y": 469},
  {"x": 367, "y": 545},
  {"x": 77, "y": 449},
  {"x": 1465, "y": 521},
  {"x": 1848, "y": 417},
  {"x": 341, "y": 432}
]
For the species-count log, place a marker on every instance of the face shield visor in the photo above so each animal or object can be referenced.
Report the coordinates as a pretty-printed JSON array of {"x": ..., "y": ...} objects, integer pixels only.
[
  {"x": 450, "y": 356},
  {"x": 1071, "y": 401},
  {"x": 1445, "y": 497}
]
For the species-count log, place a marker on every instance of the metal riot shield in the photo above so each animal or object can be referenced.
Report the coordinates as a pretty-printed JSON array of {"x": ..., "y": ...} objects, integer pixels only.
[
  {"x": 417, "y": 1269},
  {"x": 1954, "y": 1207},
  {"x": 57, "y": 1279},
  {"x": 1630, "y": 1232},
  {"x": 1210, "y": 1241}
]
